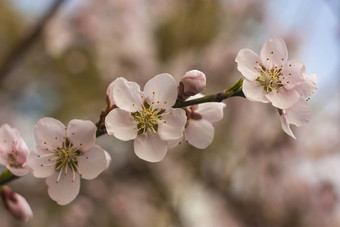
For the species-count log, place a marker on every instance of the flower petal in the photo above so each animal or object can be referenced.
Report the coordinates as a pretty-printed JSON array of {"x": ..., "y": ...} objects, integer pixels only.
[
  {"x": 286, "y": 127},
  {"x": 162, "y": 90},
  {"x": 211, "y": 112},
  {"x": 82, "y": 133},
  {"x": 150, "y": 147},
  {"x": 121, "y": 125},
  {"x": 92, "y": 163},
  {"x": 174, "y": 143},
  {"x": 8, "y": 137},
  {"x": 108, "y": 159},
  {"x": 172, "y": 125},
  {"x": 127, "y": 95},
  {"x": 284, "y": 98},
  {"x": 109, "y": 93},
  {"x": 274, "y": 53},
  {"x": 292, "y": 73},
  {"x": 40, "y": 164},
  {"x": 199, "y": 133},
  {"x": 18, "y": 171},
  {"x": 254, "y": 91},
  {"x": 21, "y": 151},
  {"x": 248, "y": 64},
  {"x": 307, "y": 88},
  {"x": 49, "y": 131},
  {"x": 65, "y": 190},
  {"x": 299, "y": 114}
]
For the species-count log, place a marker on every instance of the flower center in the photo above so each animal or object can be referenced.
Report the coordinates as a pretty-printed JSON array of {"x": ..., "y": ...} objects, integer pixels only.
[
  {"x": 64, "y": 158},
  {"x": 148, "y": 118},
  {"x": 12, "y": 161},
  {"x": 270, "y": 79}
]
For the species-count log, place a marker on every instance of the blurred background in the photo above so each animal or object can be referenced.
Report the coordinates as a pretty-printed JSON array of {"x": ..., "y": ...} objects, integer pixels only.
[{"x": 253, "y": 174}]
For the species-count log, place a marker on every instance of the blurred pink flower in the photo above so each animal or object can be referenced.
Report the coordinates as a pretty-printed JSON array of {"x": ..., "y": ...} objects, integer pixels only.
[
  {"x": 199, "y": 131},
  {"x": 16, "y": 204},
  {"x": 146, "y": 117},
  {"x": 270, "y": 77},
  {"x": 13, "y": 151},
  {"x": 64, "y": 155}
]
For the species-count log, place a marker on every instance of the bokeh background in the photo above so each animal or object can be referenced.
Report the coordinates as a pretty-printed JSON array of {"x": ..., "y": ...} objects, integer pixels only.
[{"x": 253, "y": 174}]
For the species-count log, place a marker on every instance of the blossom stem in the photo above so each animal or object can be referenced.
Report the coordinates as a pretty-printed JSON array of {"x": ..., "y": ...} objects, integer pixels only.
[
  {"x": 6, "y": 176},
  {"x": 235, "y": 90}
]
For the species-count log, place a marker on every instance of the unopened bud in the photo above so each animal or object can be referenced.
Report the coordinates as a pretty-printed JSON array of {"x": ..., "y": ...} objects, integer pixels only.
[
  {"x": 192, "y": 83},
  {"x": 16, "y": 204}
]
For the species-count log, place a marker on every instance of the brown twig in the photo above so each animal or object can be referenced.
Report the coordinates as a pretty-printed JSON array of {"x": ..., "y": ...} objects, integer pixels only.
[{"x": 24, "y": 45}]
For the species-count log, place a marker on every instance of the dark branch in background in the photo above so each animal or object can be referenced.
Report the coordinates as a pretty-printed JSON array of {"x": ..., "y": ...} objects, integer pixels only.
[{"x": 24, "y": 45}]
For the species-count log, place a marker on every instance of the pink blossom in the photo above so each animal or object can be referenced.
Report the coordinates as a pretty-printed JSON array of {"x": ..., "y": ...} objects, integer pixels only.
[
  {"x": 16, "y": 205},
  {"x": 271, "y": 77},
  {"x": 13, "y": 151},
  {"x": 64, "y": 154},
  {"x": 146, "y": 117},
  {"x": 199, "y": 130}
]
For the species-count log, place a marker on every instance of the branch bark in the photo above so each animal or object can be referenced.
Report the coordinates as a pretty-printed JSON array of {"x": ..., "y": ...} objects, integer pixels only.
[{"x": 24, "y": 45}]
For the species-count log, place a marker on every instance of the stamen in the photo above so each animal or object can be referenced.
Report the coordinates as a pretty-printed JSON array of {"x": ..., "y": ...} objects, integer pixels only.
[{"x": 61, "y": 170}]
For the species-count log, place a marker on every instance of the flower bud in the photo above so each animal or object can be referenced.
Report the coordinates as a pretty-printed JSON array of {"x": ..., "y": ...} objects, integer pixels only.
[
  {"x": 192, "y": 83},
  {"x": 16, "y": 204}
]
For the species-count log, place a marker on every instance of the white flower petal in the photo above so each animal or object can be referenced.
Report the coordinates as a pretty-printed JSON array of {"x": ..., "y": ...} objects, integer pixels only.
[
  {"x": 49, "y": 131},
  {"x": 8, "y": 137},
  {"x": 286, "y": 127},
  {"x": 172, "y": 125},
  {"x": 92, "y": 163},
  {"x": 274, "y": 53},
  {"x": 18, "y": 171},
  {"x": 2, "y": 159},
  {"x": 174, "y": 143},
  {"x": 292, "y": 73},
  {"x": 82, "y": 134},
  {"x": 127, "y": 95},
  {"x": 199, "y": 133},
  {"x": 307, "y": 88},
  {"x": 121, "y": 125},
  {"x": 284, "y": 98},
  {"x": 211, "y": 112},
  {"x": 109, "y": 93},
  {"x": 65, "y": 190},
  {"x": 150, "y": 147},
  {"x": 162, "y": 90},
  {"x": 108, "y": 159},
  {"x": 299, "y": 114},
  {"x": 40, "y": 165},
  {"x": 254, "y": 91},
  {"x": 248, "y": 64},
  {"x": 21, "y": 151}
]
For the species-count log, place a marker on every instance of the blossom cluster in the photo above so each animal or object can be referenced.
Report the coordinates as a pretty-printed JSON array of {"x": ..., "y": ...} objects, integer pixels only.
[
  {"x": 153, "y": 120},
  {"x": 148, "y": 116}
]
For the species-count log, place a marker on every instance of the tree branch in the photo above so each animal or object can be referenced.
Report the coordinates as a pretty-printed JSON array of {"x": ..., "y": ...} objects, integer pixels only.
[
  {"x": 23, "y": 46},
  {"x": 235, "y": 90}
]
